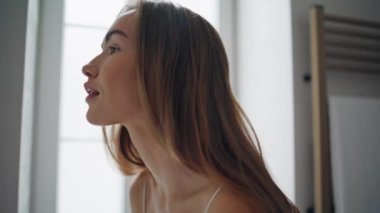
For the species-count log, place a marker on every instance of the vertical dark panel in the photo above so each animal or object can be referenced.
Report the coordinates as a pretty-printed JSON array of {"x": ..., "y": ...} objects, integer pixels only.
[{"x": 13, "y": 21}]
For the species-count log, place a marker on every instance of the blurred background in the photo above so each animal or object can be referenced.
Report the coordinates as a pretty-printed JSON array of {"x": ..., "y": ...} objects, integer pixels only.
[{"x": 52, "y": 160}]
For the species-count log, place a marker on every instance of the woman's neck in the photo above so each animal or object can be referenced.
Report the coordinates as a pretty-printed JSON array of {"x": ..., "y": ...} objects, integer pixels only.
[{"x": 172, "y": 179}]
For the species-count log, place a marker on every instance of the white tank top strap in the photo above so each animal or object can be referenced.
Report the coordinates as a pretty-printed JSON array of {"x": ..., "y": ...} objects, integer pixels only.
[
  {"x": 212, "y": 199},
  {"x": 144, "y": 197}
]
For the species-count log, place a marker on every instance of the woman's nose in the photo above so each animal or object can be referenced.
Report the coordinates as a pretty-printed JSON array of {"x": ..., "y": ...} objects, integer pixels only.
[{"x": 90, "y": 70}]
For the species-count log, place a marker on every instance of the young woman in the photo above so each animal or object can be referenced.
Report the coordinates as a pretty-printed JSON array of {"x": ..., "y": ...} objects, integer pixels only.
[{"x": 162, "y": 83}]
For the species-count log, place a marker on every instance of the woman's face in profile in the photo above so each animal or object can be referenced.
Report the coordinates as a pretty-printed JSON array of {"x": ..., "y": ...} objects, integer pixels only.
[{"x": 111, "y": 86}]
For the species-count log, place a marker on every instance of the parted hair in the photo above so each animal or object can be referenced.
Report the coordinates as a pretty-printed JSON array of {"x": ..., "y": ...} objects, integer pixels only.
[{"x": 183, "y": 84}]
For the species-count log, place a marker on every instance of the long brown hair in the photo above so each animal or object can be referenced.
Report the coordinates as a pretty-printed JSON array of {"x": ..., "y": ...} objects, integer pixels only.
[{"x": 184, "y": 86}]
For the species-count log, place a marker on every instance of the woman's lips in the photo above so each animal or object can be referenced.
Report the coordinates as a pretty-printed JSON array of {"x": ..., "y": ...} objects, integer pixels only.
[
  {"x": 91, "y": 96},
  {"x": 90, "y": 91}
]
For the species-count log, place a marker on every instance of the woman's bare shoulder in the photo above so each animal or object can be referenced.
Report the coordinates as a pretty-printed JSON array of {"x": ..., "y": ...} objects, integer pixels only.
[{"x": 228, "y": 202}]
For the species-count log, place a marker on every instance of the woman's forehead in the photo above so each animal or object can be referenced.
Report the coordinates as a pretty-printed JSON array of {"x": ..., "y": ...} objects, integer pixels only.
[{"x": 125, "y": 21}]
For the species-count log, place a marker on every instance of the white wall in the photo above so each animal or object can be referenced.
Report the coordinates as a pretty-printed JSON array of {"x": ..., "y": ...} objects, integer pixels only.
[
  {"x": 364, "y": 9},
  {"x": 272, "y": 56},
  {"x": 265, "y": 82}
]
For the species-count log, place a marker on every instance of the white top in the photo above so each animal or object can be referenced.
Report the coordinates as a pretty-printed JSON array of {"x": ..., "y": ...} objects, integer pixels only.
[{"x": 206, "y": 209}]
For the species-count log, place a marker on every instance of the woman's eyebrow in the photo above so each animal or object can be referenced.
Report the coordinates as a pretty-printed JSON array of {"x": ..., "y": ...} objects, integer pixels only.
[{"x": 112, "y": 32}]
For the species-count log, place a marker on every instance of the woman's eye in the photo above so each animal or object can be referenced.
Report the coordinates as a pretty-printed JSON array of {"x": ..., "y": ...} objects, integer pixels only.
[{"x": 112, "y": 50}]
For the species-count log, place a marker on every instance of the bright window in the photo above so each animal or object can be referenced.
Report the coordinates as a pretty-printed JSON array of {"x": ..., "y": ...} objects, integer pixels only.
[{"x": 87, "y": 180}]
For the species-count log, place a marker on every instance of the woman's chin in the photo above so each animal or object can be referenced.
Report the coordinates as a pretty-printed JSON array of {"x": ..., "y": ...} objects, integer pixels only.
[{"x": 96, "y": 120}]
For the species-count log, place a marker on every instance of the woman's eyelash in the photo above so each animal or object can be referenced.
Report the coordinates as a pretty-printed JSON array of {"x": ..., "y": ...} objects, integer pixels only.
[{"x": 112, "y": 50}]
